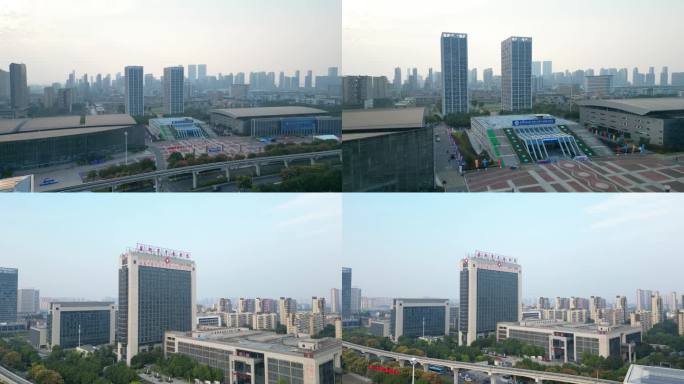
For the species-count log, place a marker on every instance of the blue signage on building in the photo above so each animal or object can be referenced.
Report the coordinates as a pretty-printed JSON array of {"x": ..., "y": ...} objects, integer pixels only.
[
  {"x": 525, "y": 123},
  {"x": 299, "y": 125}
]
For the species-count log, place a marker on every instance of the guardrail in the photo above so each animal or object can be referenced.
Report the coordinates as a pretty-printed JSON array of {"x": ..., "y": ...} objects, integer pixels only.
[
  {"x": 538, "y": 376},
  {"x": 257, "y": 161}
]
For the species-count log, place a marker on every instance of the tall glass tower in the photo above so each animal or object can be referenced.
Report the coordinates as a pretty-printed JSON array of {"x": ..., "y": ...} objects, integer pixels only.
[
  {"x": 516, "y": 74},
  {"x": 174, "y": 79},
  {"x": 134, "y": 91},
  {"x": 8, "y": 294},
  {"x": 346, "y": 292},
  {"x": 454, "y": 73},
  {"x": 490, "y": 292}
]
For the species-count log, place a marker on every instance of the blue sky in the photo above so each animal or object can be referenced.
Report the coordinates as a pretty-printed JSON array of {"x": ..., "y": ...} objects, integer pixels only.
[
  {"x": 379, "y": 35},
  {"x": 243, "y": 244},
  {"x": 567, "y": 244},
  {"x": 102, "y": 36}
]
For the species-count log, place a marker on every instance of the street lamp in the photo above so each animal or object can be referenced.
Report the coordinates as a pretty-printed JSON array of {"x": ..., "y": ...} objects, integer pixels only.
[
  {"x": 126, "y": 148},
  {"x": 413, "y": 370}
]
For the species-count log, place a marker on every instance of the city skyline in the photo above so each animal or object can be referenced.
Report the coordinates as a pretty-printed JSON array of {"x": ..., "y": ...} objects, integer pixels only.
[
  {"x": 50, "y": 39},
  {"x": 280, "y": 237},
  {"x": 376, "y": 41}
]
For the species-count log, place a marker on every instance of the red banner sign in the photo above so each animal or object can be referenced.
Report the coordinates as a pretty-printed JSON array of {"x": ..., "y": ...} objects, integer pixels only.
[{"x": 384, "y": 369}]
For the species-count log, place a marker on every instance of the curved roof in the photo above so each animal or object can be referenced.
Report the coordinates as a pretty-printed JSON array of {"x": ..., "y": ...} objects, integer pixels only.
[
  {"x": 641, "y": 107},
  {"x": 369, "y": 120},
  {"x": 241, "y": 113}
]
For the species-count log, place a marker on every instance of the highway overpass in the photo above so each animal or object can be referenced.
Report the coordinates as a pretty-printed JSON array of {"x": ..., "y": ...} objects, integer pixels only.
[
  {"x": 158, "y": 176},
  {"x": 11, "y": 378},
  {"x": 491, "y": 370}
]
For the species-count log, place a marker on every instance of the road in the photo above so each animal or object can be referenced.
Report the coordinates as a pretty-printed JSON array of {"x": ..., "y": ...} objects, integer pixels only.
[
  {"x": 446, "y": 168},
  {"x": 11, "y": 378}
]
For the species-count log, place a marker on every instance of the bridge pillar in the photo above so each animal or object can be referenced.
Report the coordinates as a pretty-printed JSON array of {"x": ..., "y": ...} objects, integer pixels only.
[
  {"x": 228, "y": 173},
  {"x": 426, "y": 367},
  {"x": 338, "y": 361},
  {"x": 455, "y": 371},
  {"x": 313, "y": 160},
  {"x": 287, "y": 164},
  {"x": 113, "y": 188},
  {"x": 157, "y": 184},
  {"x": 194, "y": 180},
  {"x": 258, "y": 169},
  {"x": 340, "y": 155},
  {"x": 402, "y": 363}
]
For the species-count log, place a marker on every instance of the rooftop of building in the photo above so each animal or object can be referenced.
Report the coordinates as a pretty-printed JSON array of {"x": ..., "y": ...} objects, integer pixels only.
[
  {"x": 643, "y": 107},
  {"x": 263, "y": 341},
  {"x": 370, "y": 120},
  {"x": 509, "y": 121},
  {"x": 639, "y": 374},
  {"x": 10, "y": 183},
  {"x": 18, "y": 126},
  {"x": 82, "y": 304},
  {"x": 49, "y": 134},
  {"x": 420, "y": 300},
  {"x": 563, "y": 326},
  {"x": 242, "y": 113}
]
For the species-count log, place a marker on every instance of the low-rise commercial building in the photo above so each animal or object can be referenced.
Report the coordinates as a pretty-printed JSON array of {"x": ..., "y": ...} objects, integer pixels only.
[
  {"x": 387, "y": 150},
  {"x": 567, "y": 342},
  {"x": 47, "y": 141},
  {"x": 276, "y": 121},
  {"x": 71, "y": 324},
  {"x": 653, "y": 121},
  {"x": 209, "y": 320},
  {"x": 380, "y": 328},
  {"x": 257, "y": 357},
  {"x": 420, "y": 318},
  {"x": 38, "y": 337}
]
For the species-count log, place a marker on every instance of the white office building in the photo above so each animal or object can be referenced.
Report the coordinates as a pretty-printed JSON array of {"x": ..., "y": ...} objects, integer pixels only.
[{"x": 516, "y": 74}]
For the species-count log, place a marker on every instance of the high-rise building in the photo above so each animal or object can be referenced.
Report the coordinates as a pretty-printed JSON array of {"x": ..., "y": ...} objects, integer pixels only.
[
  {"x": 664, "y": 77},
  {"x": 192, "y": 73},
  {"x": 318, "y": 305},
  {"x": 643, "y": 300},
  {"x": 73, "y": 324},
  {"x": 454, "y": 73},
  {"x": 157, "y": 293},
  {"x": 335, "y": 300},
  {"x": 537, "y": 68},
  {"x": 263, "y": 305},
  {"x": 4, "y": 85},
  {"x": 356, "y": 90},
  {"x": 135, "y": 105},
  {"x": 516, "y": 74},
  {"x": 650, "y": 76},
  {"x": 19, "y": 92},
  {"x": 346, "y": 293},
  {"x": 673, "y": 302},
  {"x": 224, "y": 305},
  {"x": 246, "y": 305},
  {"x": 355, "y": 301},
  {"x": 472, "y": 77},
  {"x": 490, "y": 292},
  {"x": 202, "y": 72},
  {"x": 308, "y": 80},
  {"x": 562, "y": 303},
  {"x": 657, "y": 312},
  {"x": 286, "y": 307},
  {"x": 488, "y": 77},
  {"x": 173, "y": 90},
  {"x": 9, "y": 278},
  {"x": 28, "y": 301},
  {"x": 49, "y": 98},
  {"x": 548, "y": 69},
  {"x": 543, "y": 303},
  {"x": 680, "y": 322},
  {"x": 419, "y": 317},
  {"x": 621, "y": 304},
  {"x": 397, "y": 79}
]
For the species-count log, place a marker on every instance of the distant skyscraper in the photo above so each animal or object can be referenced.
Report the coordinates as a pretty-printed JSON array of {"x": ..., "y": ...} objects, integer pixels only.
[
  {"x": 664, "y": 77},
  {"x": 490, "y": 292},
  {"x": 28, "y": 301},
  {"x": 8, "y": 294},
  {"x": 548, "y": 69},
  {"x": 201, "y": 72},
  {"x": 488, "y": 77},
  {"x": 157, "y": 293},
  {"x": 286, "y": 307},
  {"x": 472, "y": 77},
  {"x": 355, "y": 301},
  {"x": 4, "y": 85},
  {"x": 308, "y": 80},
  {"x": 173, "y": 90},
  {"x": 192, "y": 72},
  {"x": 657, "y": 312},
  {"x": 643, "y": 300},
  {"x": 19, "y": 93},
  {"x": 536, "y": 68},
  {"x": 335, "y": 300},
  {"x": 397, "y": 78},
  {"x": 516, "y": 74},
  {"x": 333, "y": 72},
  {"x": 346, "y": 292},
  {"x": 454, "y": 48},
  {"x": 134, "y": 91},
  {"x": 650, "y": 76},
  {"x": 318, "y": 305}
]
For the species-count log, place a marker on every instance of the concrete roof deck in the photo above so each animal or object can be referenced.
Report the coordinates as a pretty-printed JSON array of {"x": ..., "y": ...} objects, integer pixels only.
[
  {"x": 241, "y": 113},
  {"x": 567, "y": 326},
  {"x": 382, "y": 119},
  {"x": 643, "y": 106},
  {"x": 18, "y": 126},
  {"x": 37, "y": 135}
]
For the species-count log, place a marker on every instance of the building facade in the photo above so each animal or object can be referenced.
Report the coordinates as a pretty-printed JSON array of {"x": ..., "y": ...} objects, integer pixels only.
[
  {"x": 9, "y": 278},
  {"x": 157, "y": 293},
  {"x": 74, "y": 324},
  {"x": 135, "y": 105},
  {"x": 19, "y": 92},
  {"x": 420, "y": 318},
  {"x": 454, "y": 48},
  {"x": 516, "y": 74},
  {"x": 346, "y": 293},
  {"x": 173, "y": 90},
  {"x": 490, "y": 293},
  {"x": 28, "y": 301}
]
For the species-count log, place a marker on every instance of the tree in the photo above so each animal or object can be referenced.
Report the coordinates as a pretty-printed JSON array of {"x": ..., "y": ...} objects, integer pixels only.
[
  {"x": 12, "y": 360},
  {"x": 244, "y": 182}
]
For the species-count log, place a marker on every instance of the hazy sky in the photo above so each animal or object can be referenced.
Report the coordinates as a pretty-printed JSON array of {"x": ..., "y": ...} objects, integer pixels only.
[
  {"x": 380, "y": 35},
  {"x": 253, "y": 245},
  {"x": 568, "y": 244},
  {"x": 103, "y": 36}
]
